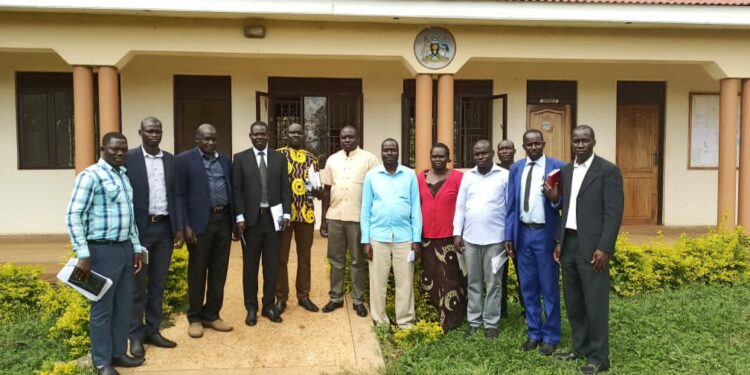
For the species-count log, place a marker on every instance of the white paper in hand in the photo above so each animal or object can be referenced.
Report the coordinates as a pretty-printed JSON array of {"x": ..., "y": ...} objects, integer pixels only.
[
  {"x": 411, "y": 256},
  {"x": 276, "y": 213},
  {"x": 67, "y": 271},
  {"x": 498, "y": 261},
  {"x": 314, "y": 177},
  {"x": 462, "y": 264}
]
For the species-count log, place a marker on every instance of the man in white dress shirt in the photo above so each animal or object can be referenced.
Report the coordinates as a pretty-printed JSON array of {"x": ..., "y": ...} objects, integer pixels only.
[{"x": 478, "y": 231}]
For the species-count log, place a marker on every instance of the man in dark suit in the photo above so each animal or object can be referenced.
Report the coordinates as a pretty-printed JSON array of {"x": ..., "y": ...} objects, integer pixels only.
[
  {"x": 152, "y": 174},
  {"x": 260, "y": 182},
  {"x": 530, "y": 228},
  {"x": 591, "y": 217},
  {"x": 204, "y": 201}
]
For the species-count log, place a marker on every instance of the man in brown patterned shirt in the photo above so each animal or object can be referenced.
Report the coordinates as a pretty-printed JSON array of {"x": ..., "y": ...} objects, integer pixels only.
[{"x": 302, "y": 221}]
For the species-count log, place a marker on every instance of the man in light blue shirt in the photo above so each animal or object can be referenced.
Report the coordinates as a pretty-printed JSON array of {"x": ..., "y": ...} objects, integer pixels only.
[
  {"x": 478, "y": 226},
  {"x": 391, "y": 224}
]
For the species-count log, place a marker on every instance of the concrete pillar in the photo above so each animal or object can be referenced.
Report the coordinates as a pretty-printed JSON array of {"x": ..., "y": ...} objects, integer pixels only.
[
  {"x": 109, "y": 100},
  {"x": 743, "y": 208},
  {"x": 727, "y": 152},
  {"x": 423, "y": 122},
  {"x": 83, "y": 111},
  {"x": 445, "y": 112}
]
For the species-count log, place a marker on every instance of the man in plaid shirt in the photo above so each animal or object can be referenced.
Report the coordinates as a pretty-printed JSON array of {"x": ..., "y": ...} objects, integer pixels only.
[{"x": 102, "y": 229}]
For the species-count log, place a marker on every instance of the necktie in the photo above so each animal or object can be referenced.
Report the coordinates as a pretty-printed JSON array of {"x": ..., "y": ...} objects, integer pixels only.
[
  {"x": 527, "y": 189},
  {"x": 263, "y": 178}
]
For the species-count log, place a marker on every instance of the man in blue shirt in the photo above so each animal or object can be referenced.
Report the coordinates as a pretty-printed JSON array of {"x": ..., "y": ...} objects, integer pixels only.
[
  {"x": 102, "y": 229},
  {"x": 391, "y": 224}
]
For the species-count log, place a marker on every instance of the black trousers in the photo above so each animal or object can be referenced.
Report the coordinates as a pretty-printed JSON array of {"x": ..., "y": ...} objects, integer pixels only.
[
  {"x": 208, "y": 261},
  {"x": 587, "y": 303},
  {"x": 261, "y": 243},
  {"x": 148, "y": 294}
]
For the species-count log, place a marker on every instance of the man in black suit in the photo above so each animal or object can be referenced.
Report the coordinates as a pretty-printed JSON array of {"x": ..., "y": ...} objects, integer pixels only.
[
  {"x": 152, "y": 175},
  {"x": 591, "y": 217},
  {"x": 204, "y": 201},
  {"x": 260, "y": 182}
]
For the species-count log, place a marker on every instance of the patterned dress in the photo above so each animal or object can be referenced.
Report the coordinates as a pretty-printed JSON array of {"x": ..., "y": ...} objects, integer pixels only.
[{"x": 298, "y": 164}]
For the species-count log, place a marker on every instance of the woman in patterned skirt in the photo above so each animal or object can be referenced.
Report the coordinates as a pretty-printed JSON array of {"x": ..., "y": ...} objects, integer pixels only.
[{"x": 441, "y": 275}]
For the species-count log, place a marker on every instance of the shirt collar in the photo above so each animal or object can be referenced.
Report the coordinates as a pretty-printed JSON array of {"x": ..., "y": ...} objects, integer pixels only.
[
  {"x": 104, "y": 165},
  {"x": 399, "y": 169},
  {"x": 147, "y": 155},
  {"x": 352, "y": 152},
  {"x": 495, "y": 168},
  {"x": 541, "y": 161},
  {"x": 216, "y": 153},
  {"x": 585, "y": 164},
  {"x": 256, "y": 151}
]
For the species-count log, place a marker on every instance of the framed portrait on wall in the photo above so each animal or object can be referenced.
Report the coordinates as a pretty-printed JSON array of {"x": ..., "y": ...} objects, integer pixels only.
[{"x": 704, "y": 131}]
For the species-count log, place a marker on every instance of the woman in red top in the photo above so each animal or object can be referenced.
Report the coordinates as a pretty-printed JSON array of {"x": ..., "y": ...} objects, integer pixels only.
[{"x": 441, "y": 275}]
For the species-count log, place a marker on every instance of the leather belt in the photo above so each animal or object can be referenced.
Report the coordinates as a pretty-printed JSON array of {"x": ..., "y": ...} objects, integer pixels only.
[
  {"x": 157, "y": 218},
  {"x": 219, "y": 209},
  {"x": 264, "y": 210},
  {"x": 532, "y": 226},
  {"x": 105, "y": 242},
  {"x": 571, "y": 232}
]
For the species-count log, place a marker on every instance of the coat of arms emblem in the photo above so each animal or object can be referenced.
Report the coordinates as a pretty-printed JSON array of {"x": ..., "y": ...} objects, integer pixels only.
[{"x": 435, "y": 47}]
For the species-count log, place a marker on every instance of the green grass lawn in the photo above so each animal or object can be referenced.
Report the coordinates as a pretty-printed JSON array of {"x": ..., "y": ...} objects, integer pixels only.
[{"x": 693, "y": 330}]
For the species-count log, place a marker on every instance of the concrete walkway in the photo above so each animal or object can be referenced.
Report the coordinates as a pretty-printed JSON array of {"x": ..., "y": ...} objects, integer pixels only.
[{"x": 305, "y": 343}]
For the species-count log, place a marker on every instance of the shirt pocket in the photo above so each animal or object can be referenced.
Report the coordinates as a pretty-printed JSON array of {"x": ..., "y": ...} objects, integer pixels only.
[{"x": 111, "y": 191}]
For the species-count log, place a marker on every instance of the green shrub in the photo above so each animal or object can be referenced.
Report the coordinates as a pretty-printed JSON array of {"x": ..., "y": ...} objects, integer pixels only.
[
  {"x": 21, "y": 290},
  {"x": 72, "y": 324},
  {"x": 175, "y": 293},
  {"x": 64, "y": 368},
  {"x": 422, "y": 333},
  {"x": 721, "y": 256}
]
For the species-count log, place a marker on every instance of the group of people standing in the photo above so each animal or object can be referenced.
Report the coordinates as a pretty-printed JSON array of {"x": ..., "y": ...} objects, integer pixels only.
[{"x": 383, "y": 214}]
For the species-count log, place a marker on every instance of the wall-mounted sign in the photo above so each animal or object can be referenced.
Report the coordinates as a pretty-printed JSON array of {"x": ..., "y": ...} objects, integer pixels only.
[{"x": 435, "y": 47}]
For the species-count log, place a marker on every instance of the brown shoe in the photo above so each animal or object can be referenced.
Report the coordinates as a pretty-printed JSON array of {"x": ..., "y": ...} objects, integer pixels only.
[
  {"x": 195, "y": 330},
  {"x": 217, "y": 325}
]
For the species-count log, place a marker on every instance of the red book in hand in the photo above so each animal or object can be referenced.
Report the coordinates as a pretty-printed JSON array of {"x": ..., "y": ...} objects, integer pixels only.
[{"x": 553, "y": 178}]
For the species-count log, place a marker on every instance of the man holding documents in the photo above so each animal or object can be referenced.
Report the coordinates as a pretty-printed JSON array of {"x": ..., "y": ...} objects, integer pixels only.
[
  {"x": 530, "y": 228},
  {"x": 152, "y": 174},
  {"x": 262, "y": 205},
  {"x": 102, "y": 230},
  {"x": 478, "y": 231},
  {"x": 391, "y": 223},
  {"x": 305, "y": 184}
]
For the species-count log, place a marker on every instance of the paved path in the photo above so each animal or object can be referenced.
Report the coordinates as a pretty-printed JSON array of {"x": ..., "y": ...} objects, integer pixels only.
[{"x": 305, "y": 343}]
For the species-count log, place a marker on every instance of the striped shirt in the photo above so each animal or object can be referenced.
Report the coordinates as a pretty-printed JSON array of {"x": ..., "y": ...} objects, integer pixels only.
[{"x": 101, "y": 208}]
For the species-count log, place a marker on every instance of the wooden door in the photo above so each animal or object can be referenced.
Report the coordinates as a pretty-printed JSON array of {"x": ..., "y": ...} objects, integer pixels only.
[
  {"x": 198, "y": 100},
  {"x": 638, "y": 159},
  {"x": 554, "y": 122}
]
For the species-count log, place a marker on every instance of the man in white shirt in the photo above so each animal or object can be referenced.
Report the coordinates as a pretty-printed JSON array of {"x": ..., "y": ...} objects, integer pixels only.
[
  {"x": 591, "y": 217},
  {"x": 478, "y": 231}
]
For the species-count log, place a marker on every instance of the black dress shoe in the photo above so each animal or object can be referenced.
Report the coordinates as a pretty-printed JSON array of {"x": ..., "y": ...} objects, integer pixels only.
[
  {"x": 593, "y": 368},
  {"x": 491, "y": 333},
  {"x": 136, "y": 349},
  {"x": 280, "y": 306},
  {"x": 360, "y": 309},
  {"x": 529, "y": 345},
  {"x": 127, "y": 361},
  {"x": 158, "y": 340},
  {"x": 252, "y": 318},
  {"x": 330, "y": 306},
  {"x": 107, "y": 370},
  {"x": 471, "y": 332},
  {"x": 308, "y": 305},
  {"x": 546, "y": 349},
  {"x": 568, "y": 356},
  {"x": 272, "y": 315}
]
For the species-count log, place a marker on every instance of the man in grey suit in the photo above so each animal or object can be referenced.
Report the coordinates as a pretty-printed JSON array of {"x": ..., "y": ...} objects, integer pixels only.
[
  {"x": 152, "y": 174},
  {"x": 591, "y": 217},
  {"x": 260, "y": 181}
]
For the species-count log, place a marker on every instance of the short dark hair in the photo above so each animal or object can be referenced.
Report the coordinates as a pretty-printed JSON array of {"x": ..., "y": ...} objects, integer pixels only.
[
  {"x": 586, "y": 127},
  {"x": 349, "y": 127},
  {"x": 441, "y": 145},
  {"x": 150, "y": 119},
  {"x": 389, "y": 140},
  {"x": 258, "y": 123},
  {"x": 529, "y": 131},
  {"x": 483, "y": 142},
  {"x": 112, "y": 135}
]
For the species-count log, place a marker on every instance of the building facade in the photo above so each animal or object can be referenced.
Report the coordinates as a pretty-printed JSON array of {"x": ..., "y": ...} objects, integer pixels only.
[{"x": 661, "y": 84}]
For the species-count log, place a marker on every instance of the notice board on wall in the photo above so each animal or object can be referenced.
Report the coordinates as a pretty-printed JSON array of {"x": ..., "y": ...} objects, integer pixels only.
[{"x": 704, "y": 131}]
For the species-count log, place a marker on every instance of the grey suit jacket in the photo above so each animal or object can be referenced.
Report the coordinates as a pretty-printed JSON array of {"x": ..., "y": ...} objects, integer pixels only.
[{"x": 599, "y": 206}]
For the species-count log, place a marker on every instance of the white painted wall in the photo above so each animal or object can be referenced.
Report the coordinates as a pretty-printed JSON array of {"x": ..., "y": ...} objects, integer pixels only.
[{"x": 35, "y": 201}]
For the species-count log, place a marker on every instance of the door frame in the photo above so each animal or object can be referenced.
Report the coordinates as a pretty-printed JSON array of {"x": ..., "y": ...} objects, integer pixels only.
[{"x": 637, "y": 92}]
